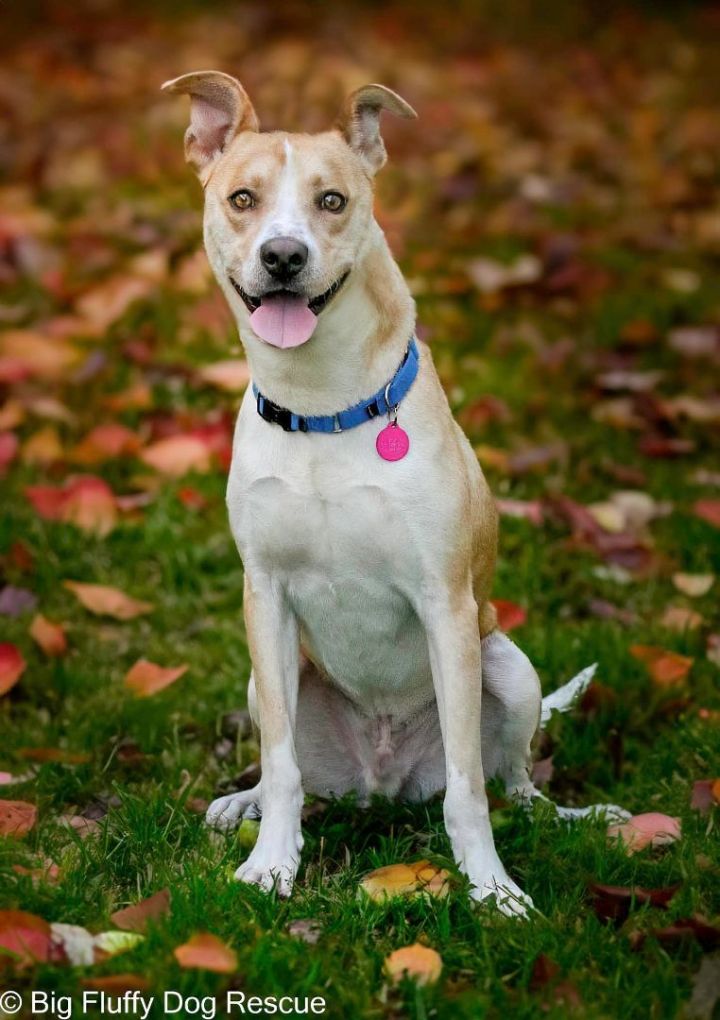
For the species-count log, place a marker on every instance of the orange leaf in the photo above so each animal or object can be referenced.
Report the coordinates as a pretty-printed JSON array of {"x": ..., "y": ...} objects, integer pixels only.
[
  {"x": 105, "y": 601},
  {"x": 116, "y": 984},
  {"x": 509, "y": 614},
  {"x": 666, "y": 668},
  {"x": 651, "y": 829},
  {"x": 12, "y": 666},
  {"x": 708, "y": 510},
  {"x": 109, "y": 300},
  {"x": 41, "y": 356},
  {"x": 206, "y": 952},
  {"x": 87, "y": 502},
  {"x": 17, "y": 818},
  {"x": 146, "y": 678},
  {"x": 43, "y": 447},
  {"x": 25, "y": 938},
  {"x": 177, "y": 455},
  {"x": 105, "y": 442},
  {"x": 232, "y": 374},
  {"x": 406, "y": 880},
  {"x": 136, "y": 917},
  {"x": 681, "y": 618},
  {"x": 417, "y": 962},
  {"x": 50, "y": 636}
]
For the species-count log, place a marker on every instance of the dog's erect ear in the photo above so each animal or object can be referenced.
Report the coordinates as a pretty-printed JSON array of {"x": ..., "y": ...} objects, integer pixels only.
[
  {"x": 219, "y": 109},
  {"x": 360, "y": 121}
]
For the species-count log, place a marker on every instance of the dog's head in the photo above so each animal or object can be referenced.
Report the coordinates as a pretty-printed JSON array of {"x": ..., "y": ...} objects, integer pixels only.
[{"x": 286, "y": 215}]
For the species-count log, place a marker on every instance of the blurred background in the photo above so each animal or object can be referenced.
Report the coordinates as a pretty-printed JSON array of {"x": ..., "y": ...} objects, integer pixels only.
[{"x": 555, "y": 210}]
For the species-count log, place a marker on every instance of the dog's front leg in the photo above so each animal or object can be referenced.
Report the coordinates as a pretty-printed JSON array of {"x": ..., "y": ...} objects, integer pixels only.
[
  {"x": 273, "y": 639},
  {"x": 451, "y": 622}
]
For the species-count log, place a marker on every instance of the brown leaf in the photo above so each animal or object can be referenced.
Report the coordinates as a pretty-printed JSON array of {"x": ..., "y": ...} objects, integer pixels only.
[
  {"x": 105, "y": 601},
  {"x": 206, "y": 952},
  {"x": 49, "y": 636},
  {"x": 542, "y": 771},
  {"x": 416, "y": 878},
  {"x": 421, "y": 964},
  {"x": 136, "y": 917},
  {"x": 117, "y": 984},
  {"x": 17, "y": 818},
  {"x": 705, "y": 795},
  {"x": 12, "y": 666},
  {"x": 147, "y": 678},
  {"x": 666, "y": 668},
  {"x": 675, "y": 934},
  {"x": 58, "y": 754},
  {"x": 614, "y": 902}
]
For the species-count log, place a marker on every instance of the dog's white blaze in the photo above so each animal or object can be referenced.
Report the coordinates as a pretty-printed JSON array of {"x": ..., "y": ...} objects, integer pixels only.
[{"x": 286, "y": 217}]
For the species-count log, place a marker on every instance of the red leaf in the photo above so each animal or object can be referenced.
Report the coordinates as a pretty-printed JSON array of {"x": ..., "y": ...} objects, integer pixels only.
[
  {"x": 509, "y": 614},
  {"x": 12, "y": 666},
  {"x": 8, "y": 449},
  {"x": 614, "y": 902},
  {"x": 25, "y": 938},
  {"x": 708, "y": 510}
]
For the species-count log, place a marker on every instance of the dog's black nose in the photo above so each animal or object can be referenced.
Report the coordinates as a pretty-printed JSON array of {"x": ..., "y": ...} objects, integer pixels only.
[{"x": 283, "y": 257}]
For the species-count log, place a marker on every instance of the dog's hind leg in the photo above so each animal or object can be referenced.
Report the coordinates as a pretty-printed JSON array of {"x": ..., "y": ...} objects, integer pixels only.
[{"x": 513, "y": 709}]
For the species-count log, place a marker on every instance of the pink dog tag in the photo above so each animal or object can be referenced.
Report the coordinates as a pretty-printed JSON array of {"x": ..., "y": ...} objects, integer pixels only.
[{"x": 393, "y": 442}]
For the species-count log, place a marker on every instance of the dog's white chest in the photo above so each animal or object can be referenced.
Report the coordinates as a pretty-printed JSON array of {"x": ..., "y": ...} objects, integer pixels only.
[{"x": 327, "y": 519}]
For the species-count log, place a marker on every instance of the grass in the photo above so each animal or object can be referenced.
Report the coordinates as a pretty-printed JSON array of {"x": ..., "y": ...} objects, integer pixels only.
[{"x": 643, "y": 748}]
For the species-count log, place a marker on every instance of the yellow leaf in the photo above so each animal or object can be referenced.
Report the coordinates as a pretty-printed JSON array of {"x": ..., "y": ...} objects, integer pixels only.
[
  {"x": 417, "y": 962},
  {"x": 416, "y": 878}
]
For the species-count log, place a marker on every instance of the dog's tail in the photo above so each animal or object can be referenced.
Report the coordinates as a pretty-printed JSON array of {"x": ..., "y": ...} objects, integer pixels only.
[{"x": 563, "y": 699}]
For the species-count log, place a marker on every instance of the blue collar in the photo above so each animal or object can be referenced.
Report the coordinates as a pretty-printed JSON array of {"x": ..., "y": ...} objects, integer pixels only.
[{"x": 382, "y": 402}]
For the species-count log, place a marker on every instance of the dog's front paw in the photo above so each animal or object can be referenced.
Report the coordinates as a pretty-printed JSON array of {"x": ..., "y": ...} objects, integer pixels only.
[
  {"x": 509, "y": 897},
  {"x": 273, "y": 864},
  {"x": 226, "y": 812}
]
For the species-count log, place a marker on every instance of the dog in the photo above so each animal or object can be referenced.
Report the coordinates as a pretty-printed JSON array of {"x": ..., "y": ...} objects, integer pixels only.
[{"x": 365, "y": 525}]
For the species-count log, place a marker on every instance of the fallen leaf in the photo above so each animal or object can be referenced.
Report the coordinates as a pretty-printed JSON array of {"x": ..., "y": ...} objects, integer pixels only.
[
  {"x": 666, "y": 668},
  {"x": 693, "y": 585},
  {"x": 651, "y": 829},
  {"x": 232, "y": 375},
  {"x": 16, "y": 601},
  {"x": 8, "y": 450},
  {"x": 117, "y": 984},
  {"x": 87, "y": 502},
  {"x": 695, "y": 341},
  {"x": 705, "y": 795},
  {"x": 614, "y": 902},
  {"x": 108, "y": 301},
  {"x": 49, "y": 872},
  {"x": 708, "y": 510},
  {"x": 417, "y": 878},
  {"x": 49, "y": 636},
  {"x": 106, "y": 442},
  {"x": 105, "y": 601},
  {"x": 542, "y": 771},
  {"x": 147, "y": 678},
  {"x": 697, "y": 928},
  {"x": 37, "y": 355},
  {"x": 43, "y": 447},
  {"x": 681, "y": 618},
  {"x": 111, "y": 943},
  {"x": 17, "y": 818},
  {"x": 509, "y": 614},
  {"x": 528, "y": 510},
  {"x": 25, "y": 938},
  {"x": 136, "y": 917},
  {"x": 705, "y": 990},
  {"x": 12, "y": 666},
  {"x": 206, "y": 952},
  {"x": 177, "y": 455},
  {"x": 56, "y": 754},
  {"x": 421, "y": 964}
]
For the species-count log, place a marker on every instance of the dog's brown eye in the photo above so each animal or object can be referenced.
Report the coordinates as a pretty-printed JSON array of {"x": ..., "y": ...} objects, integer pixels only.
[
  {"x": 242, "y": 199},
  {"x": 333, "y": 201}
]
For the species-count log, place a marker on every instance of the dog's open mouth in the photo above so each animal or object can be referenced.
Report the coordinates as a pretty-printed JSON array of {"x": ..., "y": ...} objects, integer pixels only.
[{"x": 284, "y": 318}]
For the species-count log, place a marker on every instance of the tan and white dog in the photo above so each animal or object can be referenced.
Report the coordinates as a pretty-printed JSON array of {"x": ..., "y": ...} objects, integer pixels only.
[{"x": 380, "y": 569}]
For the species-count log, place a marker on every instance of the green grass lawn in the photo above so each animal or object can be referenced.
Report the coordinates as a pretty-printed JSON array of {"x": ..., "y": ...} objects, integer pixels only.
[{"x": 540, "y": 349}]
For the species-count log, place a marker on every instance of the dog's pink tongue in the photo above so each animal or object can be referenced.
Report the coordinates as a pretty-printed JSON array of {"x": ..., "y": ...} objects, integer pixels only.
[{"x": 283, "y": 320}]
